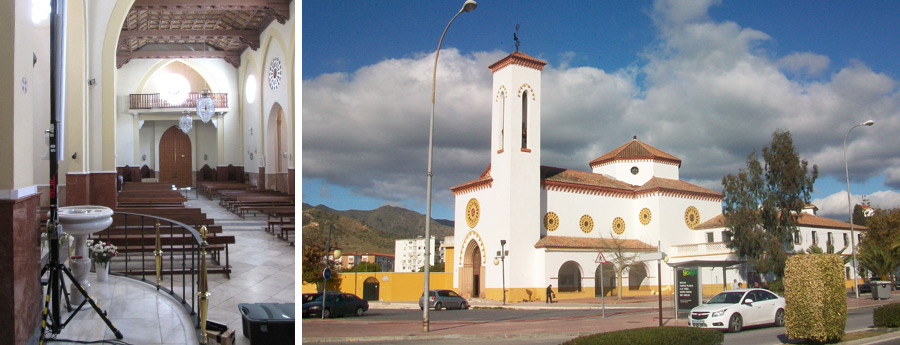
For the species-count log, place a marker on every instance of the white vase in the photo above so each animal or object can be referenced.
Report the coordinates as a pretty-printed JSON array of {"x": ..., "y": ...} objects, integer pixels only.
[{"x": 102, "y": 271}]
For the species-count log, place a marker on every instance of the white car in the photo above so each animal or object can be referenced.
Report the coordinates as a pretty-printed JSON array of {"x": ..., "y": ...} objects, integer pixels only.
[{"x": 734, "y": 309}]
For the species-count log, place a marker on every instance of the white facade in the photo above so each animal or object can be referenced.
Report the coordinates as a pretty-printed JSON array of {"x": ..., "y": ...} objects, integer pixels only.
[
  {"x": 555, "y": 221},
  {"x": 409, "y": 254}
]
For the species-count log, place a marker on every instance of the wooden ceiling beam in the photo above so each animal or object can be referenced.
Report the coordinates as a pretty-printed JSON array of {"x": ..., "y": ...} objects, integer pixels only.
[
  {"x": 248, "y": 37},
  {"x": 211, "y": 4},
  {"x": 232, "y": 56}
]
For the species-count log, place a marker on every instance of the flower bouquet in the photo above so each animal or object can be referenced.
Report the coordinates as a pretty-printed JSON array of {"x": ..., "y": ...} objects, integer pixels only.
[{"x": 101, "y": 252}]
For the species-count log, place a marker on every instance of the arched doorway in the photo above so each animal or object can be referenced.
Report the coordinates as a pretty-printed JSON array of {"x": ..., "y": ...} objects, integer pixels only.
[
  {"x": 608, "y": 282},
  {"x": 569, "y": 277},
  {"x": 636, "y": 275},
  {"x": 472, "y": 273},
  {"x": 278, "y": 150},
  {"x": 370, "y": 289},
  {"x": 175, "y": 158}
]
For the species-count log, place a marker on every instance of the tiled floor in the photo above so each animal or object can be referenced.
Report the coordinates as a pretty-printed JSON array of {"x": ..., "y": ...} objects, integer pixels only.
[{"x": 262, "y": 271}]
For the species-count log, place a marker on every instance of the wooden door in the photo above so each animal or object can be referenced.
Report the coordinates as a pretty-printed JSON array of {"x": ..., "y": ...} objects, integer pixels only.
[{"x": 175, "y": 158}]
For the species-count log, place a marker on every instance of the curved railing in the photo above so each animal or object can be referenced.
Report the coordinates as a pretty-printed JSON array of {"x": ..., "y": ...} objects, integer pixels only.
[{"x": 141, "y": 238}]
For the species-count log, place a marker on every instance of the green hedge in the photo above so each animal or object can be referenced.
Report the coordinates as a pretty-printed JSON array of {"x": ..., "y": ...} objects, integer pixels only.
[
  {"x": 887, "y": 315},
  {"x": 815, "y": 297},
  {"x": 654, "y": 335}
]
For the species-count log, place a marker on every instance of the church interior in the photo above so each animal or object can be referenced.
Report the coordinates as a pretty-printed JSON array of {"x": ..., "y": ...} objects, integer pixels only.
[{"x": 168, "y": 109}]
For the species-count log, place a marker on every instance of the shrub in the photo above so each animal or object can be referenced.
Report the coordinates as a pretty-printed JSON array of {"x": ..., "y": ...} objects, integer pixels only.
[
  {"x": 654, "y": 335},
  {"x": 777, "y": 286},
  {"x": 815, "y": 298},
  {"x": 887, "y": 315}
]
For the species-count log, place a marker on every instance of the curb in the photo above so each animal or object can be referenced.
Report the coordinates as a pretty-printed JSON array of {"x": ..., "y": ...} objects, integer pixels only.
[{"x": 447, "y": 336}]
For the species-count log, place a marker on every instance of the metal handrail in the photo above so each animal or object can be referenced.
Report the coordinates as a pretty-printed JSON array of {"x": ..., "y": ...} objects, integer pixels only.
[
  {"x": 192, "y": 245},
  {"x": 155, "y": 101}
]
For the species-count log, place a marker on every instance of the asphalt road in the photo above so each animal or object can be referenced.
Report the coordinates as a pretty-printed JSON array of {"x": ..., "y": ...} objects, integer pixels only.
[
  {"x": 488, "y": 314},
  {"x": 857, "y": 319}
]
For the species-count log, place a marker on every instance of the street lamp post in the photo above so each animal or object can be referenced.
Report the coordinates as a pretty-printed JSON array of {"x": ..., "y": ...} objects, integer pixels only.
[
  {"x": 850, "y": 210},
  {"x": 468, "y": 6},
  {"x": 501, "y": 256}
]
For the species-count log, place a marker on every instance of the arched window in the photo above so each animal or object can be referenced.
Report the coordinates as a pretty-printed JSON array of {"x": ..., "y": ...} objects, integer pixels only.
[
  {"x": 570, "y": 277},
  {"x": 502, "y": 116},
  {"x": 636, "y": 275},
  {"x": 525, "y": 120}
]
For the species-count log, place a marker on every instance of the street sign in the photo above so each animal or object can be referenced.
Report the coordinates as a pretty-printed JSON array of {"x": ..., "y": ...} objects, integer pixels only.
[
  {"x": 600, "y": 259},
  {"x": 652, "y": 256},
  {"x": 326, "y": 273}
]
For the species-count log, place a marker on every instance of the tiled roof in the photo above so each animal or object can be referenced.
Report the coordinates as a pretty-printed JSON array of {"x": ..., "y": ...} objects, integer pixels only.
[
  {"x": 568, "y": 242},
  {"x": 669, "y": 185},
  {"x": 518, "y": 58},
  {"x": 806, "y": 219},
  {"x": 483, "y": 181},
  {"x": 552, "y": 174},
  {"x": 635, "y": 149}
]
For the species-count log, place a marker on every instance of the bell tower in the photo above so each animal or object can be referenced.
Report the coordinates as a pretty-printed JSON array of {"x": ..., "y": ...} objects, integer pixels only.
[{"x": 516, "y": 157}]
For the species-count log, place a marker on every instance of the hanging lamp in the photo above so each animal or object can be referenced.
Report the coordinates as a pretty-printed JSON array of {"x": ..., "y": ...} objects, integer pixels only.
[
  {"x": 185, "y": 123},
  {"x": 206, "y": 108}
]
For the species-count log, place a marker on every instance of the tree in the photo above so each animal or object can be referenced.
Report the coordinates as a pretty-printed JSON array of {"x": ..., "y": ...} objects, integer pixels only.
[
  {"x": 314, "y": 257},
  {"x": 762, "y": 201},
  {"x": 366, "y": 267},
  {"x": 621, "y": 260},
  {"x": 879, "y": 250}
]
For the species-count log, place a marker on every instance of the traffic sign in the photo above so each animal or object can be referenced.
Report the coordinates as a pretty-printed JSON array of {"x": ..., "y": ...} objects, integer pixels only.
[
  {"x": 326, "y": 273},
  {"x": 600, "y": 259}
]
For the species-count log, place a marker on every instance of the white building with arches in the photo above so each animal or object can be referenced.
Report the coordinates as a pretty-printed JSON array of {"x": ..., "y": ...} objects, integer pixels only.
[{"x": 555, "y": 221}]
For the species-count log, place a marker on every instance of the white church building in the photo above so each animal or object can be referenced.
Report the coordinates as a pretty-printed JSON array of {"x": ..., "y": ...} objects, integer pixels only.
[{"x": 555, "y": 221}]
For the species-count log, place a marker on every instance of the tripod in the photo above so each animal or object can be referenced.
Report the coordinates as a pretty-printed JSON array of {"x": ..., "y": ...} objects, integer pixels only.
[{"x": 55, "y": 286}]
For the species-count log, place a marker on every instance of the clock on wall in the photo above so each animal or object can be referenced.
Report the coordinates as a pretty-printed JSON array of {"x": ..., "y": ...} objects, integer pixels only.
[
  {"x": 274, "y": 74},
  {"x": 473, "y": 212},
  {"x": 587, "y": 223}
]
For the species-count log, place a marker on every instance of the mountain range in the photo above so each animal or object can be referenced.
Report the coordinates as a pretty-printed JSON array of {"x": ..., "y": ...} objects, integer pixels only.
[{"x": 368, "y": 231}]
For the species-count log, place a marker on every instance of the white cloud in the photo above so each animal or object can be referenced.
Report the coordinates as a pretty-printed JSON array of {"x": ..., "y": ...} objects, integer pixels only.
[
  {"x": 835, "y": 205},
  {"x": 706, "y": 94},
  {"x": 805, "y": 63}
]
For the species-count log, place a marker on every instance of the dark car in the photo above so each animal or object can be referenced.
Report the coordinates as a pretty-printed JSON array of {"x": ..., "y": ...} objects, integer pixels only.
[
  {"x": 309, "y": 297},
  {"x": 337, "y": 304},
  {"x": 443, "y": 299}
]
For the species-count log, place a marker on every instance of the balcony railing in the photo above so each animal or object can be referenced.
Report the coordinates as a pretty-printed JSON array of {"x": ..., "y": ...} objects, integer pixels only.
[
  {"x": 154, "y": 101},
  {"x": 176, "y": 266},
  {"x": 701, "y": 248}
]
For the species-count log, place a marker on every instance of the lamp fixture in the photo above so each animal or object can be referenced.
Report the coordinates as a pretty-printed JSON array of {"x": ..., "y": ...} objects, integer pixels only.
[{"x": 185, "y": 123}]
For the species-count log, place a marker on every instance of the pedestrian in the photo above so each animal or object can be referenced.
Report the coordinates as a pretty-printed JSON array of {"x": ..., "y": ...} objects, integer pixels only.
[
  {"x": 735, "y": 285},
  {"x": 756, "y": 285},
  {"x": 549, "y": 293}
]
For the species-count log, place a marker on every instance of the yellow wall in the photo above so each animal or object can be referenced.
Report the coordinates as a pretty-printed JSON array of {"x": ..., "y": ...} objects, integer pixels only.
[
  {"x": 394, "y": 286},
  {"x": 408, "y": 287},
  {"x": 449, "y": 258}
]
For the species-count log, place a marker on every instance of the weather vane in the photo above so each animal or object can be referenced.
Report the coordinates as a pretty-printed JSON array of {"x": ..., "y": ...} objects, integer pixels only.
[{"x": 516, "y": 37}]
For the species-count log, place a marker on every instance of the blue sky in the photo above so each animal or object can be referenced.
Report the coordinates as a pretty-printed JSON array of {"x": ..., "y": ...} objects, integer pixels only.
[{"x": 705, "y": 81}]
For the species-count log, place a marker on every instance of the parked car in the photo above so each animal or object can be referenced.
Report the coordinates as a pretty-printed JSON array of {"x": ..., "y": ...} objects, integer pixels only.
[
  {"x": 439, "y": 299},
  {"x": 734, "y": 309},
  {"x": 337, "y": 304},
  {"x": 309, "y": 297}
]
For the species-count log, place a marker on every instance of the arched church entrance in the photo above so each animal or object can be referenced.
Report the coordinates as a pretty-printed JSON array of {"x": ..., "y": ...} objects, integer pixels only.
[
  {"x": 370, "y": 289},
  {"x": 277, "y": 149},
  {"x": 472, "y": 273},
  {"x": 609, "y": 280},
  {"x": 175, "y": 158},
  {"x": 636, "y": 275}
]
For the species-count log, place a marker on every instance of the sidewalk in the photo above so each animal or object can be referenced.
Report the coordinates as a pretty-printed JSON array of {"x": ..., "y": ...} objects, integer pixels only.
[{"x": 645, "y": 315}]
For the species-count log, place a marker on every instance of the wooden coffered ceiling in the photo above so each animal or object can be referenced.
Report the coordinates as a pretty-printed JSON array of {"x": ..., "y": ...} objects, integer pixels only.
[{"x": 171, "y": 29}]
